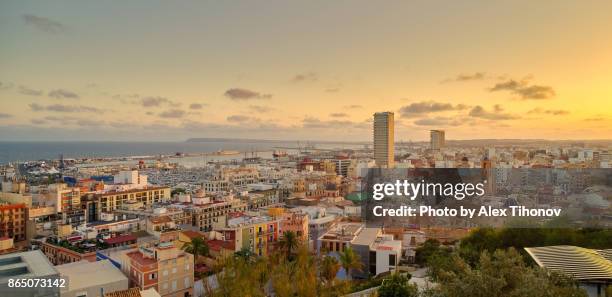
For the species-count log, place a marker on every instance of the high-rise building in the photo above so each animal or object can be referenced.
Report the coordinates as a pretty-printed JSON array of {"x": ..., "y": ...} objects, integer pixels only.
[
  {"x": 436, "y": 139},
  {"x": 384, "y": 151}
]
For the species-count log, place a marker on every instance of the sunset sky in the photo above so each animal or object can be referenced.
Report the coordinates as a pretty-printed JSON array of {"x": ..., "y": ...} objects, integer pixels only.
[{"x": 318, "y": 70}]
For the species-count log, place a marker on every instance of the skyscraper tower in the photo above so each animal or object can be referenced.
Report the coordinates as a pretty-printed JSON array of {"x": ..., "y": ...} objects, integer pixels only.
[
  {"x": 384, "y": 145},
  {"x": 436, "y": 140}
]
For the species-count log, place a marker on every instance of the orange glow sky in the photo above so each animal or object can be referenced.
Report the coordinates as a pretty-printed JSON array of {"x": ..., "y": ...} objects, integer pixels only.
[{"x": 157, "y": 70}]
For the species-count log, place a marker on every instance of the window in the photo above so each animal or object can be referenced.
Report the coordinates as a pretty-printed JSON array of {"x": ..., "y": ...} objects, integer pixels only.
[
  {"x": 187, "y": 282},
  {"x": 165, "y": 286},
  {"x": 173, "y": 269},
  {"x": 165, "y": 272},
  {"x": 151, "y": 276},
  {"x": 392, "y": 260},
  {"x": 187, "y": 267},
  {"x": 174, "y": 285}
]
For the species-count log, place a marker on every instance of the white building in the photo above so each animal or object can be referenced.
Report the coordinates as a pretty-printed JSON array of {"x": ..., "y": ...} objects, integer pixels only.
[
  {"x": 91, "y": 279},
  {"x": 384, "y": 139}
]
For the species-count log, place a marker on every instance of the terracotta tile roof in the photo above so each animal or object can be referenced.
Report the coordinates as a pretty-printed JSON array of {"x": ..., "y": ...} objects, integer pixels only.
[
  {"x": 120, "y": 239},
  {"x": 216, "y": 245},
  {"x": 131, "y": 292},
  {"x": 161, "y": 219},
  {"x": 140, "y": 259},
  {"x": 192, "y": 234}
]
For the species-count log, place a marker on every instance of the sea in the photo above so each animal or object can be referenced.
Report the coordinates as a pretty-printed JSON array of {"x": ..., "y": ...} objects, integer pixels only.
[{"x": 32, "y": 151}]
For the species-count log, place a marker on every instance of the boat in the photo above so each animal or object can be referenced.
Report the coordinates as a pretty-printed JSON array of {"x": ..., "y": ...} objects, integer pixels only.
[{"x": 225, "y": 153}]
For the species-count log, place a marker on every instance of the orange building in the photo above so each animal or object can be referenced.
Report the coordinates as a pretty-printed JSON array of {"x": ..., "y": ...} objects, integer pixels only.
[
  {"x": 296, "y": 222},
  {"x": 13, "y": 221},
  {"x": 163, "y": 267}
]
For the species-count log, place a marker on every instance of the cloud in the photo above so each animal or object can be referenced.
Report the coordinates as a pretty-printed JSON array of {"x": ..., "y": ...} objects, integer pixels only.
[
  {"x": 5, "y": 115},
  {"x": 438, "y": 121},
  {"x": 44, "y": 24},
  {"x": 63, "y": 94},
  {"x": 332, "y": 90},
  {"x": 524, "y": 90},
  {"x": 65, "y": 108},
  {"x": 260, "y": 108},
  {"x": 425, "y": 107},
  {"x": 154, "y": 101},
  {"x": 467, "y": 77},
  {"x": 305, "y": 77},
  {"x": 38, "y": 121},
  {"x": 172, "y": 114},
  {"x": 30, "y": 92},
  {"x": 316, "y": 123},
  {"x": 196, "y": 106},
  {"x": 338, "y": 115},
  {"x": 36, "y": 107},
  {"x": 595, "y": 119},
  {"x": 5, "y": 86},
  {"x": 539, "y": 110},
  {"x": 354, "y": 106},
  {"x": 239, "y": 94},
  {"x": 497, "y": 113},
  {"x": 239, "y": 118}
]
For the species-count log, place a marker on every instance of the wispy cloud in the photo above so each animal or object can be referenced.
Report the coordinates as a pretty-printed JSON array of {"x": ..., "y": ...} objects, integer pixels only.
[
  {"x": 338, "y": 115},
  {"x": 240, "y": 94},
  {"x": 154, "y": 101},
  {"x": 172, "y": 114},
  {"x": 305, "y": 77},
  {"x": 63, "y": 94},
  {"x": 539, "y": 110},
  {"x": 425, "y": 107},
  {"x": 524, "y": 90},
  {"x": 439, "y": 121},
  {"x": 5, "y": 85},
  {"x": 5, "y": 115},
  {"x": 497, "y": 113},
  {"x": 316, "y": 123},
  {"x": 260, "y": 108},
  {"x": 65, "y": 108},
  {"x": 466, "y": 77},
  {"x": 196, "y": 106},
  {"x": 353, "y": 106},
  {"x": 29, "y": 92},
  {"x": 239, "y": 118},
  {"x": 44, "y": 24}
]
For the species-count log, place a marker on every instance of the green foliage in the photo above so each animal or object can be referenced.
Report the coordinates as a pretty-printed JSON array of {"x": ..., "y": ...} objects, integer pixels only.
[
  {"x": 177, "y": 191},
  {"x": 366, "y": 284},
  {"x": 488, "y": 239},
  {"x": 397, "y": 286},
  {"x": 350, "y": 261},
  {"x": 500, "y": 274},
  {"x": 197, "y": 247},
  {"x": 288, "y": 243},
  {"x": 329, "y": 267},
  {"x": 302, "y": 275}
]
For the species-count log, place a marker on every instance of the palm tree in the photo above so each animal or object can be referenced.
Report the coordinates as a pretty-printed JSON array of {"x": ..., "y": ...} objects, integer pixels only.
[
  {"x": 197, "y": 247},
  {"x": 350, "y": 260},
  {"x": 289, "y": 242},
  {"x": 329, "y": 268}
]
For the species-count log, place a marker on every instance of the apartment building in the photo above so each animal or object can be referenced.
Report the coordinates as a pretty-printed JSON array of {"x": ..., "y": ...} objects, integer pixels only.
[
  {"x": 256, "y": 233},
  {"x": 213, "y": 215},
  {"x": 111, "y": 200},
  {"x": 13, "y": 221},
  {"x": 162, "y": 266}
]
